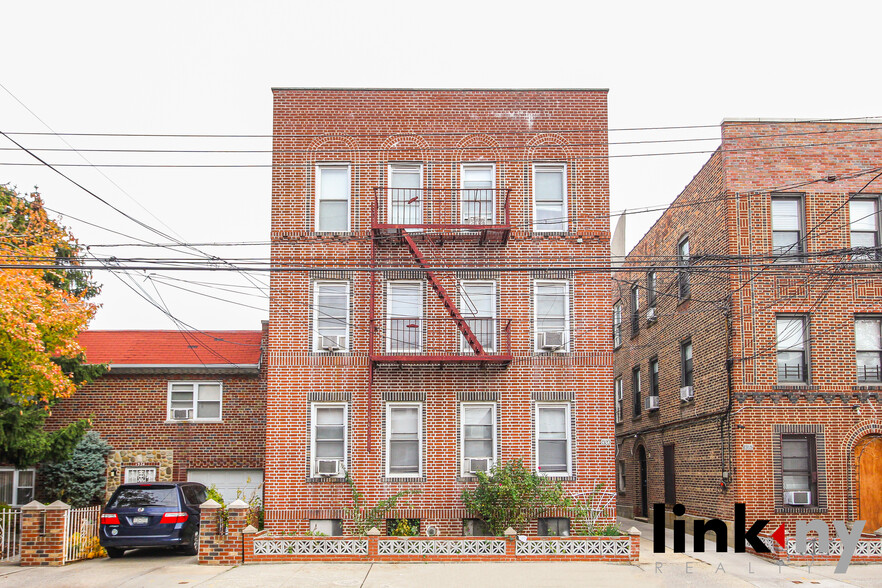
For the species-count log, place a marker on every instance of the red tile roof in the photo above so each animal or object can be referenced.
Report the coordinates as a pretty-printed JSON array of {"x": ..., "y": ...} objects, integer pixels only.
[{"x": 172, "y": 347}]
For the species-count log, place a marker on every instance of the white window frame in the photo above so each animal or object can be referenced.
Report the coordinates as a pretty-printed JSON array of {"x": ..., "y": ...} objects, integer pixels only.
[
  {"x": 196, "y": 384},
  {"x": 617, "y": 324},
  {"x": 567, "y": 312},
  {"x": 16, "y": 483},
  {"x": 797, "y": 252},
  {"x": 130, "y": 479},
  {"x": 877, "y": 204},
  {"x": 805, "y": 350},
  {"x": 464, "y": 345},
  {"x": 313, "y": 421},
  {"x": 537, "y": 228},
  {"x": 619, "y": 397},
  {"x": 462, "y": 410},
  {"x": 318, "y": 193},
  {"x": 419, "y": 407},
  {"x": 492, "y": 188},
  {"x": 317, "y": 336},
  {"x": 401, "y": 165},
  {"x": 390, "y": 340},
  {"x": 569, "y": 431},
  {"x": 876, "y": 351}
]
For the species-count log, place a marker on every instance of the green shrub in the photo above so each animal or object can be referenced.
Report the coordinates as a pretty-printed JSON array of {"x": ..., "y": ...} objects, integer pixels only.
[
  {"x": 511, "y": 495},
  {"x": 79, "y": 481}
]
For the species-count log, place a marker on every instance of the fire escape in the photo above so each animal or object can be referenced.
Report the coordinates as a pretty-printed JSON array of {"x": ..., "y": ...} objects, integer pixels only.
[{"x": 418, "y": 220}]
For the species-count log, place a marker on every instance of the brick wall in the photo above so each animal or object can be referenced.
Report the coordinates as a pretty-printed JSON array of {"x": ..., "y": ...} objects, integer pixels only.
[
  {"x": 823, "y": 164},
  {"x": 441, "y": 129}
]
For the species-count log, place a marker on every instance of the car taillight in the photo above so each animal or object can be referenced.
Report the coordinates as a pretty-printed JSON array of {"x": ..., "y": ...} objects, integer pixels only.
[
  {"x": 109, "y": 519},
  {"x": 174, "y": 517}
]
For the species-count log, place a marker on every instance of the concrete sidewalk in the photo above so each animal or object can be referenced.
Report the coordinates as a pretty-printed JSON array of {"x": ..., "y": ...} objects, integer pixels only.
[{"x": 158, "y": 568}]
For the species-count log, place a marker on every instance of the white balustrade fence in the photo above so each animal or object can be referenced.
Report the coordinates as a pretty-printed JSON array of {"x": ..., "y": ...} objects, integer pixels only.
[
  {"x": 81, "y": 533},
  {"x": 10, "y": 534}
]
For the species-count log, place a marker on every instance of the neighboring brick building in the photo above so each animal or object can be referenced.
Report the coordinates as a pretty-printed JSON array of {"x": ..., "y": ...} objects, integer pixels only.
[
  {"x": 764, "y": 273},
  {"x": 176, "y": 406},
  {"x": 412, "y": 379}
]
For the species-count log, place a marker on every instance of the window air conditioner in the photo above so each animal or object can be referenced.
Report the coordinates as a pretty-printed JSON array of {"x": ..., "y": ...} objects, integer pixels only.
[
  {"x": 552, "y": 340},
  {"x": 799, "y": 498},
  {"x": 181, "y": 414},
  {"x": 651, "y": 315},
  {"x": 327, "y": 467},
  {"x": 478, "y": 465},
  {"x": 651, "y": 403},
  {"x": 333, "y": 342},
  {"x": 687, "y": 393}
]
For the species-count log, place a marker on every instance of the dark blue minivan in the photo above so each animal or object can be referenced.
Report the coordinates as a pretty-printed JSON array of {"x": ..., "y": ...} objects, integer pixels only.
[{"x": 152, "y": 514}]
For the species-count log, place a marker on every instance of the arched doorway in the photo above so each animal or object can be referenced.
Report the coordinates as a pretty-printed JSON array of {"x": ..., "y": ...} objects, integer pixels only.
[
  {"x": 644, "y": 501},
  {"x": 868, "y": 463}
]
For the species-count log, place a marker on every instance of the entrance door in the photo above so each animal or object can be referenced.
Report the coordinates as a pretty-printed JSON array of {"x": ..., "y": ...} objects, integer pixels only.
[
  {"x": 644, "y": 501},
  {"x": 868, "y": 458}
]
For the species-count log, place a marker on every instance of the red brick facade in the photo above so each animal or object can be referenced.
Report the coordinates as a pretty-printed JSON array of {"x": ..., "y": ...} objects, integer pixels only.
[
  {"x": 129, "y": 406},
  {"x": 728, "y": 440},
  {"x": 436, "y": 131}
]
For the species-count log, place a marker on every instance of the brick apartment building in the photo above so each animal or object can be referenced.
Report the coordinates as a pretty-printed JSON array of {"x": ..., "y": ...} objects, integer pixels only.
[
  {"x": 747, "y": 333},
  {"x": 414, "y": 378},
  {"x": 176, "y": 406}
]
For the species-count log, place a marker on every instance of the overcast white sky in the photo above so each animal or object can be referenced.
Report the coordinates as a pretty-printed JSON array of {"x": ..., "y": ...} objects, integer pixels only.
[{"x": 207, "y": 67}]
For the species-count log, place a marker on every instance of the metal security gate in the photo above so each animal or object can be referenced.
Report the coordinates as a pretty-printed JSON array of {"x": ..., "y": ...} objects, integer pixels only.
[
  {"x": 10, "y": 534},
  {"x": 81, "y": 533}
]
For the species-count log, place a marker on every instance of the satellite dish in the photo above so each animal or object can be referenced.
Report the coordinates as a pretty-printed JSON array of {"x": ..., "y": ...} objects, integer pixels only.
[{"x": 432, "y": 531}]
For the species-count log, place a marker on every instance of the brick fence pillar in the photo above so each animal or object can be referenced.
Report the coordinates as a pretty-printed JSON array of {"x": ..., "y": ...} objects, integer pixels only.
[
  {"x": 210, "y": 528},
  {"x": 634, "y": 535},
  {"x": 220, "y": 533},
  {"x": 42, "y": 533},
  {"x": 373, "y": 539},
  {"x": 511, "y": 538}
]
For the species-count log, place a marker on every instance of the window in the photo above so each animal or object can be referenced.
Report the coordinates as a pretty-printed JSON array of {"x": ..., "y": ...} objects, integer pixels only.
[
  {"x": 328, "y": 439},
  {"x": 864, "y": 216},
  {"x": 686, "y": 363},
  {"x": 552, "y": 315},
  {"x": 683, "y": 262},
  {"x": 549, "y": 198},
  {"x": 622, "y": 478},
  {"x": 670, "y": 475},
  {"x": 651, "y": 295},
  {"x": 328, "y": 527},
  {"x": 792, "y": 358},
  {"x": 478, "y": 305},
  {"x": 553, "y": 439},
  {"x": 635, "y": 383},
  {"x": 405, "y": 194},
  {"x": 798, "y": 469},
  {"x": 553, "y": 527},
  {"x": 404, "y": 304},
  {"x": 619, "y": 395},
  {"x": 475, "y": 528},
  {"x": 868, "y": 347},
  {"x": 478, "y": 206},
  {"x": 404, "y": 439},
  {"x": 617, "y": 325},
  {"x": 787, "y": 228},
  {"x": 331, "y": 316},
  {"x": 194, "y": 400},
  {"x": 16, "y": 486},
  {"x": 478, "y": 435},
  {"x": 635, "y": 310},
  {"x": 403, "y": 527},
  {"x": 653, "y": 376},
  {"x": 136, "y": 475},
  {"x": 332, "y": 197}
]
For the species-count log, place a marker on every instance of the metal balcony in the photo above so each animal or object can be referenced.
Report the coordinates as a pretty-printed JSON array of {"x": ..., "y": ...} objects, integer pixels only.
[
  {"x": 440, "y": 340},
  {"x": 482, "y": 214}
]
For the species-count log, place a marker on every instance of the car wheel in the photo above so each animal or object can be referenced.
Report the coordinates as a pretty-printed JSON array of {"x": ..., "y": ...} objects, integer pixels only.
[
  {"x": 192, "y": 549},
  {"x": 114, "y": 552}
]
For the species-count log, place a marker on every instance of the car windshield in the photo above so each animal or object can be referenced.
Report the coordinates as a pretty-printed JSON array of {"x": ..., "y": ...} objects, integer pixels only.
[{"x": 152, "y": 496}]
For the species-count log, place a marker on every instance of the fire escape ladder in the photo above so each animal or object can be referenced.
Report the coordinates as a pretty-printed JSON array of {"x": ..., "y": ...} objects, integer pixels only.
[{"x": 445, "y": 298}]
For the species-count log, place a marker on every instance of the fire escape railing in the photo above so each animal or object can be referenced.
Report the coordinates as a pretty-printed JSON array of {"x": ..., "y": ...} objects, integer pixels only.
[{"x": 440, "y": 208}]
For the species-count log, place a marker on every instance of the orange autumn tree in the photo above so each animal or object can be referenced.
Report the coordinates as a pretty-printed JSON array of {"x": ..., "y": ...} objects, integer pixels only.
[{"x": 41, "y": 313}]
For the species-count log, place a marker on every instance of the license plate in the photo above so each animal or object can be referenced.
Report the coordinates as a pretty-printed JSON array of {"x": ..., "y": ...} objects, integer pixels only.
[{"x": 140, "y": 520}]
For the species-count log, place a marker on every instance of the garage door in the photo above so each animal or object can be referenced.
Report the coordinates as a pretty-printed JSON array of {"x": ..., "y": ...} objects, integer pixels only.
[{"x": 227, "y": 482}]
